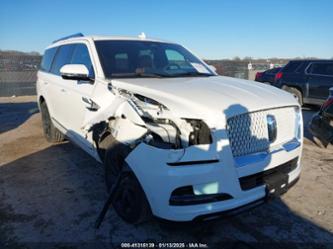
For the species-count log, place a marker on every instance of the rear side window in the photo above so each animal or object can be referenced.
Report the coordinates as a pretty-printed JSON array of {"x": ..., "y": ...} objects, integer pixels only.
[
  {"x": 322, "y": 69},
  {"x": 47, "y": 59},
  {"x": 63, "y": 57},
  {"x": 292, "y": 66},
  {"x": 81, "y": 56}
]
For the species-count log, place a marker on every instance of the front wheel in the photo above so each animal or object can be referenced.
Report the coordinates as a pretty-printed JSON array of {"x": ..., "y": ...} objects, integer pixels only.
[{"x": 129, "y": 200}]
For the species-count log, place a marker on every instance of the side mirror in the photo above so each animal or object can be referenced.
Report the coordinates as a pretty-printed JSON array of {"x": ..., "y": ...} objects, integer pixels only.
[
  {"x": 75, "y": 72},
  {"x": 211, "y": 67}
]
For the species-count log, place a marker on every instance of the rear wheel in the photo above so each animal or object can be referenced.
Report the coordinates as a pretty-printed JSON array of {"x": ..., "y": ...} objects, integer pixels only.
[
  {"x": 51, "y": 133},
  {"x": 129, "y": 201}
]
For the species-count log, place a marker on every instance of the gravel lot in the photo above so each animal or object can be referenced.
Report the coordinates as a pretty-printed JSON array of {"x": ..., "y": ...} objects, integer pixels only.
[{"x": 50, "y": 196}]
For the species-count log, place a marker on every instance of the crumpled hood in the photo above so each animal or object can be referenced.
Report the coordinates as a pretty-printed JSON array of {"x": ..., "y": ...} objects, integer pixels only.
[{"x": 207, "y": 97}]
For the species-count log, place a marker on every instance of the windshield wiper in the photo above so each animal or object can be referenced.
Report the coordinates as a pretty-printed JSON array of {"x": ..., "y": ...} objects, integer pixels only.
[
  {"x": 136, "y": 75},
  {"x": 193, "y": 74}
]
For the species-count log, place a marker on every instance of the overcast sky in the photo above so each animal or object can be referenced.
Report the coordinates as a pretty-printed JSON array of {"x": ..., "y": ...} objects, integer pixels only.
[{"x": 212, "y": 29}]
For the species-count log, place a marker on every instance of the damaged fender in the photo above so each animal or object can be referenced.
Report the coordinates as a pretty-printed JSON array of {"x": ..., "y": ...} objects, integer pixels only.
[{"x": 131, "y": 119}]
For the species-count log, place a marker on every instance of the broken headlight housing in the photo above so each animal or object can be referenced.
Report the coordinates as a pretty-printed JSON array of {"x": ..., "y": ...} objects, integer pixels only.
[
  {"x": 200, "y": 133},
  {"x": 164, "y": 129}
]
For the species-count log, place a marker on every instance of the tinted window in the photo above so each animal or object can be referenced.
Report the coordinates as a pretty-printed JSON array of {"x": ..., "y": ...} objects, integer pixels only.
[
  {"x": 63, "y": 57},
  {"x": 292, "y": 66},
  {"x": 47, "y": 59},
  {"x": 322, "y": 68},
  {"x": 121, "y": 59},
  {"x": 175, "y": 59},
  {"x": 273, "y": 70},
  {"x": 121, "y": 62},
  {"x": 81, "y": 56}
]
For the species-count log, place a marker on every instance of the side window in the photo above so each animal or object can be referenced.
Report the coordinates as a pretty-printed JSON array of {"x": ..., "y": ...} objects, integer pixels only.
[
  {"x": 322, "y": 68},
  {"x": 174, "y": 57},
  {"x": 329, "y": 69},
  {"x": 291, "y": 66},
  {"x": 81, "y": 56},
  {"x": 63, "y": 57},
  {"x": 47, "y": 59},
  {"x": 309, "y": 69}
]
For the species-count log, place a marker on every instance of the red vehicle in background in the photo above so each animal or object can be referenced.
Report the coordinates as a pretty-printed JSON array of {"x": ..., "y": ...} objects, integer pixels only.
[{"x": 268, "y": 76}]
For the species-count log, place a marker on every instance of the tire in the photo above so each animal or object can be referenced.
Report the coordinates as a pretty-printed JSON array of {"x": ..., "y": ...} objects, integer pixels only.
[
  {"x": 297, "y": 94},
  {"x": 130, "y": 201},
  {"x": 114, "y": 159},
  {"x": 51, "y": 133}
]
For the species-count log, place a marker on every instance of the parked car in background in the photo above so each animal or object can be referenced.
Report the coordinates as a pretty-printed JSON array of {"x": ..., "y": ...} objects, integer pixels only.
[
  {"x": 321, "y": 125},
  {"x": 308, "y": 80},
  {"x": 267, "y": 76}
]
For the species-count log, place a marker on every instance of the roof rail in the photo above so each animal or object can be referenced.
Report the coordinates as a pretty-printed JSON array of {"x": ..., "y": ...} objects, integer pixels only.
[{"x": 69, "y": 36}]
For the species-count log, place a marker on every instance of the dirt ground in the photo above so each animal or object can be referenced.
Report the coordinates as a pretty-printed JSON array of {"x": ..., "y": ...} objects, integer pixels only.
[{"x": 50, "y": 196}]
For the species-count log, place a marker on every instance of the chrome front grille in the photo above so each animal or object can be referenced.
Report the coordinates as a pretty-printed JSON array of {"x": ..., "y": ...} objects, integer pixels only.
[{"x": 248, "y": 132}]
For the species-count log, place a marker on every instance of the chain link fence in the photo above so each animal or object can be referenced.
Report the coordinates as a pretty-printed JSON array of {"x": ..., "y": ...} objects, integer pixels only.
[{"x": 18, "y": 73}]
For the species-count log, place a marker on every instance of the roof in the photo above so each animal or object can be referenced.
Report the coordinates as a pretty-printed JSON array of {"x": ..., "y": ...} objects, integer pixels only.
[
  {"x": 311, "y": 60},
  {"x": 101, "y": 38}
]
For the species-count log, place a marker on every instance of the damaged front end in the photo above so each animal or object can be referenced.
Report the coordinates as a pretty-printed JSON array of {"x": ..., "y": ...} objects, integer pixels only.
[
  {"x": 138, "y": 119},
  {"x": 321, "y": 125}
]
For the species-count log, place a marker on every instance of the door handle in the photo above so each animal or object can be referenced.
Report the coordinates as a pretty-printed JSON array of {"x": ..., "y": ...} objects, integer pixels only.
[{"x": 92, "y": 106}]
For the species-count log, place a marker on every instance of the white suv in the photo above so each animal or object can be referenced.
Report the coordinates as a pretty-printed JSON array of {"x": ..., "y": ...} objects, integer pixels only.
[{"x": 194, "y": 144}]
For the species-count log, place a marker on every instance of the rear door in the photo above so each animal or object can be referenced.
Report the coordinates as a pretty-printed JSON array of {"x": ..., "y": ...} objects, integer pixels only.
[
  {"x": 320, "y": 79},
  {"x": 57, "y": 86}
]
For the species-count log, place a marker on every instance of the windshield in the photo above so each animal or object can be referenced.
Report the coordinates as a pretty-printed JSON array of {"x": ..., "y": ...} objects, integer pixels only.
[{"x": 132, "y": 59}]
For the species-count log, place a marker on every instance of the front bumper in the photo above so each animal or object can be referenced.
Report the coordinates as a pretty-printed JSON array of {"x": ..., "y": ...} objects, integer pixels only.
[{"x": 217, "y": 172}]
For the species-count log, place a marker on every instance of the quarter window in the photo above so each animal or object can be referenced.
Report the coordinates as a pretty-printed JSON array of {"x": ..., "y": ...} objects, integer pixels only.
[{"x": 63, "y": 57}]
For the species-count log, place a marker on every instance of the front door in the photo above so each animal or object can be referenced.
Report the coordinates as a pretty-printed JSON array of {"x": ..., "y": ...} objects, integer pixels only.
[{"x": 78, "y": 92}]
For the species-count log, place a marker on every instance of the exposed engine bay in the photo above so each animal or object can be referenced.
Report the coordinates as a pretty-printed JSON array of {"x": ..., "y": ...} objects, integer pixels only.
[{"x": 141, "y": 119}]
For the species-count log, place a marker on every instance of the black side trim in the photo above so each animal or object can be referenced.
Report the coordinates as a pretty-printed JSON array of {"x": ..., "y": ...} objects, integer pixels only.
[
  {"x": 198, "y": 199},
  {"x": 194, "y": 162}
]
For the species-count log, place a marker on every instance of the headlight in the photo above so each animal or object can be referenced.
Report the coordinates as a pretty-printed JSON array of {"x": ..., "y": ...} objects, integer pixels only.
[{"x": 298, "y": 123}]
